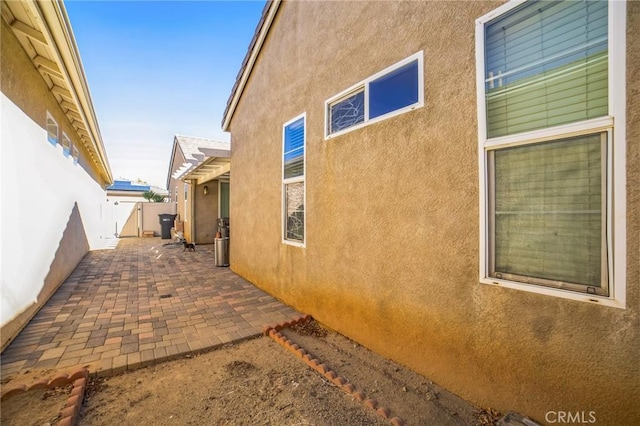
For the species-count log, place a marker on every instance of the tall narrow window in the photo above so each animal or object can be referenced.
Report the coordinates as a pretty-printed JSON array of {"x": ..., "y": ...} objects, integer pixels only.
[
  {"x": 547, "y": 143},
  {"x": 186, "y": 204},
  {"x": 293, "y": 180},
  {"x": 52, "y": 130}
]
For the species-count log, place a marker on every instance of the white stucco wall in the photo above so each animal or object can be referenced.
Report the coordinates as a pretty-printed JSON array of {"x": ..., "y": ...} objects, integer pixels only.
[
  {"x": 116, "y": 215},
  {"x": 39, "y": 188}
]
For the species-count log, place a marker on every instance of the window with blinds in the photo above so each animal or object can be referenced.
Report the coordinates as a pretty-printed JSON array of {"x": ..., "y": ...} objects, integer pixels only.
[
  {"x": 549, "y": 204},
  {"x": 293, "y": 173},
  {"x": 294, "y": 149},
  {"x": 545, "y": 143},
  {"x": 546, "y": 65}
]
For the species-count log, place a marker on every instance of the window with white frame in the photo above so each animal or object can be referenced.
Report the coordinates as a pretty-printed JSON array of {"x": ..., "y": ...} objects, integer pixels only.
[
  {"x": 293, "y": 180},
  {"x": 52, "y": 130},
  {"x": 392, "y": 91},
  {"x": 75, "y": 154},
  {"x": 66, "y": 145},
  {"x": 547, "y": 147}
]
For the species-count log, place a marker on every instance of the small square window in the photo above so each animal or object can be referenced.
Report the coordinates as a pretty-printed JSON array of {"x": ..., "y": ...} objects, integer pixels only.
[
  {"x": 394, "y": 91},
  {"x": 66, "y": 145},
  {"x": 75, "y": 153},
  {"x": 52, "y": 130},
  {"x": 347, "y": 112}
]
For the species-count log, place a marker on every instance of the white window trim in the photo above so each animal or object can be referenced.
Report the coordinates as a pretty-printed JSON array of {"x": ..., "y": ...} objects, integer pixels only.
[
  {"x": 70, "y": 147},
  {"x": 364, "y": 85},
  {"x": 616, "y": 166},
  {"x": 75, "y": 154},
  {"x": 50, "y": 117},
  {"x": 294, "y": 180},
  {"x": 186, "y": 201}
]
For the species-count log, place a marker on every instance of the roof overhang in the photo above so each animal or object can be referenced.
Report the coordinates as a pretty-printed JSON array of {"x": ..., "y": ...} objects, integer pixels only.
[
  {"x": 210, "y": 169},
  {"x": 216, "y": 164},
  {"x": 44, "y": 31},
  {"x": 268, "y": 15}
]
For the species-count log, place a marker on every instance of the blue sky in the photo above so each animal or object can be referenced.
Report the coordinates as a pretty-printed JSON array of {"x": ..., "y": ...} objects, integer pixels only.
[{"x": 159, "y": 68}]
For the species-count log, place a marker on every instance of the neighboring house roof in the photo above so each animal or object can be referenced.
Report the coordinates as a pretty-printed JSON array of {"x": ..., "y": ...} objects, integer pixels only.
[
  {"x": 268, "y": 15},
  {"x": 126, "y": 185},
  {"x": 204, "y": 158},
  {"x": 44, "y": 31}
]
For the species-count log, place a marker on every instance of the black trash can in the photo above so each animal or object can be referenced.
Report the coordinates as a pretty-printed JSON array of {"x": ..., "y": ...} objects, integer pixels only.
[{"x": 166, "y": 222}]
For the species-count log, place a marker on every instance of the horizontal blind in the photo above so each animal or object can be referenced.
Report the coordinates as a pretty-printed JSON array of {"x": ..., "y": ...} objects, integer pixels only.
[
  {"x": 546, "y": 65},
  {"x": 294, "y": 149},
  {"x": 549, "y": 210}
]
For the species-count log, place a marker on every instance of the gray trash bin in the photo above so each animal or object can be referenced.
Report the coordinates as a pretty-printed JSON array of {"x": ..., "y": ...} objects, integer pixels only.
[{"x": 222, "y": 251}]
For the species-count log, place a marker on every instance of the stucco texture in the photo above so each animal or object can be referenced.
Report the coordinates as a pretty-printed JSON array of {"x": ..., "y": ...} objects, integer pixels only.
[
  {"x": 200, "y": 212},
  {"x": 206, "y": 212},
  {"x": 392, "y": 216}
]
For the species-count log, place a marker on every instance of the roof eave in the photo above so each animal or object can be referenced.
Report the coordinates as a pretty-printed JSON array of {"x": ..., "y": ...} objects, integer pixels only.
[
  {"x": 58, "y": 30},
  {"x": 268, "y": 16},
  {"x": 173, "y": 154}
]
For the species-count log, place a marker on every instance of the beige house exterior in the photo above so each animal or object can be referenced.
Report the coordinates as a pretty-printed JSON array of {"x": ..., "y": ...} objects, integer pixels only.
[
  {"x": 54, "y": 165},
  {"x": 380, "y": 222},
  {"x": 198, "y": 185}
]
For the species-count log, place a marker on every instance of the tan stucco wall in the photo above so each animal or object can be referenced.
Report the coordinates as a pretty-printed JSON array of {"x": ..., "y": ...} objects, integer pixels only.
[
  {"x": 23, "y": 84},
  {"x": 391, "y": 257},
  {"x": 201, "y": 225},
  {"x": 206, "y": 212},
  {"x": 131, "y": 227},
  {"x": 150, "y": 218}
]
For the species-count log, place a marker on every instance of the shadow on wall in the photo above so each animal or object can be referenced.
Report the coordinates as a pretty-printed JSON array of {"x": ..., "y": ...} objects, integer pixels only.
[
  {"x": 144, "y": 217},
  {"x": 130, "y": 227},
  {"x": 72, "y": 248}
]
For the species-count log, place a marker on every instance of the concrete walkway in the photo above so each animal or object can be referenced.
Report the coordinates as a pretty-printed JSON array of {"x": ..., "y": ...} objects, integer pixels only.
[{"x": 139, "y": 304}]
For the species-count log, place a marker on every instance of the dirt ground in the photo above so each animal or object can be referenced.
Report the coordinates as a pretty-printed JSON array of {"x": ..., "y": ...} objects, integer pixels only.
[{"x": 258, "y": 382}]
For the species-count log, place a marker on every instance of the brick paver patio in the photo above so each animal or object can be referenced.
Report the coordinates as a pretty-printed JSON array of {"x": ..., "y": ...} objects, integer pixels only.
[{"x": 139, "y": 304}]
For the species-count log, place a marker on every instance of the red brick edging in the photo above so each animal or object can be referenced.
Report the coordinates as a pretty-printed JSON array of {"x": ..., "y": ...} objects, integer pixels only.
[
  {"x": 315, "y": 364},
  {"x": 71, "y": 410}
]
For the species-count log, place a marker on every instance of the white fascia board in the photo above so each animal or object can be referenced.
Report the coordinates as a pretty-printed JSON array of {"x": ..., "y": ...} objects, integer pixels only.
[{"x": 59, "y": 35}]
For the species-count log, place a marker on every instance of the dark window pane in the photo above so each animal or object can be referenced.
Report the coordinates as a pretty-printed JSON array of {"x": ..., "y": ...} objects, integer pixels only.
[
  {"x": 347, "y": 113},
  {"x": 394, "y": 91}
]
